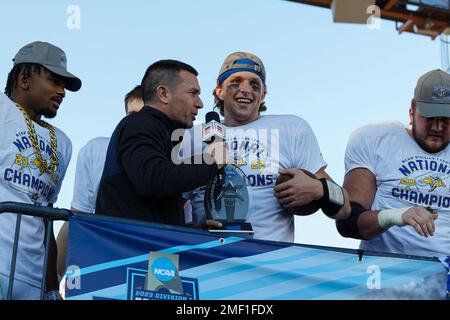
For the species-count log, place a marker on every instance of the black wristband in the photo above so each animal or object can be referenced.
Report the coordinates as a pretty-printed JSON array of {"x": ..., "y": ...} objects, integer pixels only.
[{"x": 331, "y": 205}]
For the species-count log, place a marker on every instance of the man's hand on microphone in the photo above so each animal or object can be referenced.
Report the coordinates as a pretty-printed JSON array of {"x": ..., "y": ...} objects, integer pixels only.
[{"x": 218, "y": 151}]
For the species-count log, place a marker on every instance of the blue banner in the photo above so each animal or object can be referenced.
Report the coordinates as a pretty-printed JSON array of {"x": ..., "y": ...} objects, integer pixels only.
[{"x": 122, "y": 259}]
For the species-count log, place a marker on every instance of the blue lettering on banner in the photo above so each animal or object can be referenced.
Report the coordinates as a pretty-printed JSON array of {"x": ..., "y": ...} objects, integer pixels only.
[
  {"x": 153, "y": 295},
  {"x": 135, "y": 283}
]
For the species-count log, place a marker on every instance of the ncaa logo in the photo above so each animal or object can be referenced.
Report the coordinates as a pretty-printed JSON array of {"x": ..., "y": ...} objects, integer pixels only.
[{"x": 164, "y": 270}]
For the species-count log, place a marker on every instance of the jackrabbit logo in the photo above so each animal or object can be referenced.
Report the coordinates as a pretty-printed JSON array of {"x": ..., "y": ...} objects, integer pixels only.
[{"x": 426, "y": 182}]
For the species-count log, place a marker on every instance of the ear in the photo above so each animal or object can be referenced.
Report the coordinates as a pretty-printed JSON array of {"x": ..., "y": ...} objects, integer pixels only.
[
  {"x": 23, "y": 83},
  {"x": 219, "y": 92},
  {"x": 263, "y": 95},
  {"x": 163, "y": 94},
  {"x": 411, "y": 116}
]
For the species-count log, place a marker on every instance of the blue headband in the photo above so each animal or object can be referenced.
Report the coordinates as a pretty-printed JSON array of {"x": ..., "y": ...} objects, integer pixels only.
[{"x": 247, "y": 66}]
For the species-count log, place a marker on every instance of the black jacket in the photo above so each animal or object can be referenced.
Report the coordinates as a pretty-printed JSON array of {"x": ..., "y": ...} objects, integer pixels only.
[{"x": 139, "y": 180}]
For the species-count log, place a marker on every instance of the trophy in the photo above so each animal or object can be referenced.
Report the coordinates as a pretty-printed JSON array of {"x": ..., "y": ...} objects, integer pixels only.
[{"x": 227, "y": 200}]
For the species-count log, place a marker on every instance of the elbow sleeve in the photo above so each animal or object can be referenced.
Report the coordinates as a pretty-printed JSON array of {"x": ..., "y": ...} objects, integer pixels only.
[{"x": 348, "y": 228}]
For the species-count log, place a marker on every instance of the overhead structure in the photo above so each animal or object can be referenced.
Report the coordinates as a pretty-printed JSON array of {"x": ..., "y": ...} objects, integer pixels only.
[{"x": 425, "y": 17}]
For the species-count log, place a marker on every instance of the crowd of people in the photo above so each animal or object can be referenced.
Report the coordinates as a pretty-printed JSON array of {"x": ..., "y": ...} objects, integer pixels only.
[{"x": 395, "y": 197}]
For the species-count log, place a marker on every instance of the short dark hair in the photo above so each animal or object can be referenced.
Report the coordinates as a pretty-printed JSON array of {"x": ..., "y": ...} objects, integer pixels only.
[
  {"x": 134, "y": 94},
  {"x": 219, "y": 103},
  {"x": 25, "y": 69},
  {"x": 162, "y": 72}
]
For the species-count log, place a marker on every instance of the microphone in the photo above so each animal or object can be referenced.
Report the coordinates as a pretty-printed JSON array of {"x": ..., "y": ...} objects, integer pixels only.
[{"x": 212, "y": 130}]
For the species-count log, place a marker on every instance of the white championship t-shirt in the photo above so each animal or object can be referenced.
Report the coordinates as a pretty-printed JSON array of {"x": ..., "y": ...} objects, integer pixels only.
[
  {"x": 22, "y": 182},
  {"x": 260, "y": 149},
  {"x": 406, "y": 176},
  {"x": 90, "y": 164}
]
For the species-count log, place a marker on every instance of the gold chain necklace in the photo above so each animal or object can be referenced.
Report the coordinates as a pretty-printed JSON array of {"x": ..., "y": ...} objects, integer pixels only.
[{"x": 40, "y": 162}]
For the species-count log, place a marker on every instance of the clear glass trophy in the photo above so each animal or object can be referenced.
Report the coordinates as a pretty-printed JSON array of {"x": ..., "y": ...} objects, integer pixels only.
[{"x": 227, "y": 200}]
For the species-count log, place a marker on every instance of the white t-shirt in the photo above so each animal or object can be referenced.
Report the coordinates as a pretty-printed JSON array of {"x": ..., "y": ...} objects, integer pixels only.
[
  {"x": 90, "y": 164},
  {"x": 260, "y": 149},
  {"x": 21, "y": 182},
  {"x": 406, "y": 176}
]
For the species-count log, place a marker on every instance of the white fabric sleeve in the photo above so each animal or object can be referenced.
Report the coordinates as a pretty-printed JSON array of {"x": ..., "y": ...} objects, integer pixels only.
[
  {"x": 84, "y": 190},
  {"x": 360, "y": 151},
  {"x": 198, "y": 206},
  {"x": 188, "y": 212},
  {"x": 305, "y": 150},
  {"x": 196, "y": 212}
]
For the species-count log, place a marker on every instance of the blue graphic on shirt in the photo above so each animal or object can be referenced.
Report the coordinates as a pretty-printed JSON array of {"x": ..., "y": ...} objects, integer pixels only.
[
  {"x": 426, "y": 182},
  {"x": 24, "y": 176},
  {"x": 251, "y": 154}
]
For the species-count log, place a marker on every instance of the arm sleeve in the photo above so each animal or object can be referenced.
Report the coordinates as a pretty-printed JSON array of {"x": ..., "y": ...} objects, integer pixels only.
[
  {"x": 360, "y": 151},
  {"x": 306, "y": 151},
  {"x": 348, "y": 228},
  {"x": 143, "y": 154},
  {"x": 84, "y": 189},
  {"x": 198, "y": 207},
  {"x": 64, "y": 154}
]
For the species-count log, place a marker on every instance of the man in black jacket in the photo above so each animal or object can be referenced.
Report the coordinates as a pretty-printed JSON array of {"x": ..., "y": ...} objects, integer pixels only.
[{"x": 140, "y": 179}]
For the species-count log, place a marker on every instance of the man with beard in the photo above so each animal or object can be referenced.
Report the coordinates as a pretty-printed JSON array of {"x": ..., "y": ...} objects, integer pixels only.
[
  {"x": 399, "y": 177},
  {"x": 34, "y": 156}
]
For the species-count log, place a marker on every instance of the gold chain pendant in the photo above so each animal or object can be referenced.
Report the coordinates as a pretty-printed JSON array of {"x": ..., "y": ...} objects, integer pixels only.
[{"x": 40, "y": 162}]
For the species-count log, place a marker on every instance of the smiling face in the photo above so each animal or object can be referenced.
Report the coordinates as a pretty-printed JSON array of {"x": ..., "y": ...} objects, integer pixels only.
[
  {"x": 242, "y": 94},
  {"x": 431, "y": 134},
  {"x": 43, "y": 93}
]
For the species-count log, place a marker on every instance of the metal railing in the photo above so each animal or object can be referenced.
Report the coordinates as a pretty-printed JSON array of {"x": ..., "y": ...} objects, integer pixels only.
[{"x": 49, "y": 215}]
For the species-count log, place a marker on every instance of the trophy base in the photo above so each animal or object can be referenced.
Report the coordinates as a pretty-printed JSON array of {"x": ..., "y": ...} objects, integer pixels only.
[{"x": 233, "y": 227}]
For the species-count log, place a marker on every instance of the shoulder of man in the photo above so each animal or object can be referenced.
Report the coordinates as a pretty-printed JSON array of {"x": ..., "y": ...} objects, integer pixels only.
[
  {"x": 379, "y": 129},
  {"x": 62, "y": 137},
  {"x": 145, "y": 119},
  {"x": 8, "y": 109},
  {"x": 96, "y": 143},
  {"x": 284, "y": 120}
]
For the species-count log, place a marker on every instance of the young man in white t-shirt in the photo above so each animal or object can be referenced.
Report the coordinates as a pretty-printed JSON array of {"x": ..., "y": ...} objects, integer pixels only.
[
  {"x": 399, "y": 177},
  {"x": 34, "y": 157},
  {"x": 91, "y": 159},
  {"x": 261, "y": 146}
]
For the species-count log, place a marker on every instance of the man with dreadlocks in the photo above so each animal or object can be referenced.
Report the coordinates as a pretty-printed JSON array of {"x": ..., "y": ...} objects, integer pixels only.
[{"x": 34, "y": 157}]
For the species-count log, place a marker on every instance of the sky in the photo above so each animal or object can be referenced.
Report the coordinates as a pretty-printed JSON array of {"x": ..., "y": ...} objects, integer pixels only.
[{"x": 337, "y": 77}]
